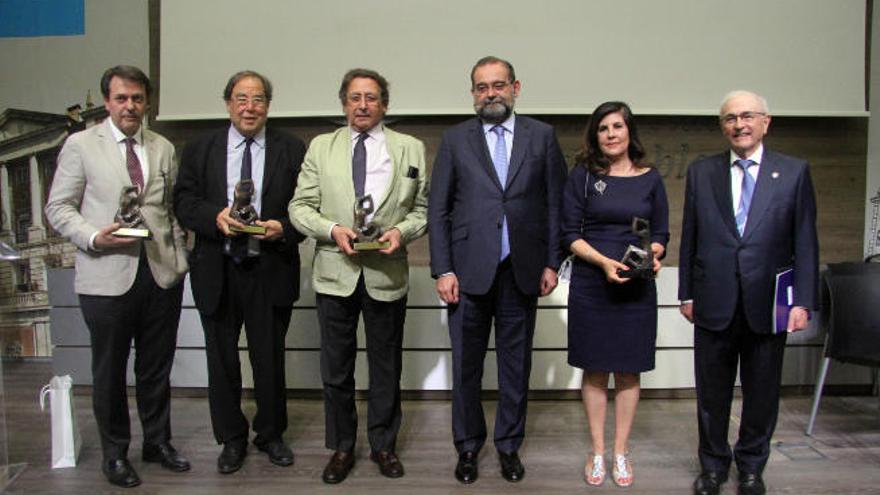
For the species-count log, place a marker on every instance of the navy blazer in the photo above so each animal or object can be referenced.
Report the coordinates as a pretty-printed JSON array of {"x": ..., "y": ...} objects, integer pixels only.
[
  {"x": 200, "y": 193},
  {"x": 716, "y": 265},
  {"x": 467, "y": 204}
]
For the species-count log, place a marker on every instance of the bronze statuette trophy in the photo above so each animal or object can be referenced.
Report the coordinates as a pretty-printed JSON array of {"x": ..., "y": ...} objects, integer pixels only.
[
  {"x": 243, "y": 211},
  {"x": 367, "y": 233},
  {"x": 129, "y": 215},
  {"x": 639, "y": 259}
]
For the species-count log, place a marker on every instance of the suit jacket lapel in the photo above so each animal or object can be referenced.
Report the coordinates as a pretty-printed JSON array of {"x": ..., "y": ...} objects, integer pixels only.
[
  {"x": 477, "y": 139},
  {"x": 217, "y": 167},
  {"x": 272, "y": 160},
  {"x": 395, "y": 151},
  {"x": 765, "y": 187},
  {"x": 721, "y": 184},
  {"x": 521, "y": 136},
  {"x": 156, "y": 174},
  {"x": 110, "y": 148}
]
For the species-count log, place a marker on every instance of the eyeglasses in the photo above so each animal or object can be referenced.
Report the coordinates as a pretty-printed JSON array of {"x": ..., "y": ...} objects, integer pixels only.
[
  {"x": 498, "y": 86},
  {"x": 747, "y": 117},
  {"x": 357, "y": 98},
  {"x": 244, "y": 100}
]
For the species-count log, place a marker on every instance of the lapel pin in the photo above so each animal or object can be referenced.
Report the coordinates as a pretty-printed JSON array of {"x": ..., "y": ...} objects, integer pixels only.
[{"x": 775, "y": 175}]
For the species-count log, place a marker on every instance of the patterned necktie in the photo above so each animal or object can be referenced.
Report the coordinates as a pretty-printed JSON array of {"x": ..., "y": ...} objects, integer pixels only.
[
  {"x": 133, "y": 165},
  {"x": 246, "y": 160},
  {"x": 745, "y": 199},
  {"x": 359, "y": 165},
  {"x": 499, "y": 160}
]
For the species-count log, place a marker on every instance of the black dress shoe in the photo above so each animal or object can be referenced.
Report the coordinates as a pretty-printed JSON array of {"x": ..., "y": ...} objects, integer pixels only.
[
  {"x": 338, "y": 468},
  {"x": 511, "y": 468},
  {"x": 232, "y": 457},
  {"x": 120, "y": 473},
  {"x": 389, "y": 464},
  {"x": 466, "y": 469},
  {"x": 279, "y": 454},
  {"x": 751, "y": 484},
  {"x": 167, "y": 455},
  {"x": 709, "y": 483}
]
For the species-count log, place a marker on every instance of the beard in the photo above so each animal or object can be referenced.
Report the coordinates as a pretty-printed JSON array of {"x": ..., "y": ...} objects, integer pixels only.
[{"x": 495, "y": 111}]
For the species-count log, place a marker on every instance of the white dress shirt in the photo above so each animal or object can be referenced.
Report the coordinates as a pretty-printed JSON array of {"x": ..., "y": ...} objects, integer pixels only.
[{"x": 379, "y": 166}]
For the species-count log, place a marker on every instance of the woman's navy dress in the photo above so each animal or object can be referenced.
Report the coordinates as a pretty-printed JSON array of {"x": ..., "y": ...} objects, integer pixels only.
[{"x": 611, "y": 327}]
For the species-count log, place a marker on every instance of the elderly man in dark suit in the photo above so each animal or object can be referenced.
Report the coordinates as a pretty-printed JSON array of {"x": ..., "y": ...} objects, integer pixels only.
[
  {"x": 749, "y": 213},
  {"x": 493, "y": 220},
  {"x": 239, "y": 277}
]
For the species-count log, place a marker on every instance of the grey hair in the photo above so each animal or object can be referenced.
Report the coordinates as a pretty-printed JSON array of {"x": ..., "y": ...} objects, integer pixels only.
[{"x": 742, "y": 92}]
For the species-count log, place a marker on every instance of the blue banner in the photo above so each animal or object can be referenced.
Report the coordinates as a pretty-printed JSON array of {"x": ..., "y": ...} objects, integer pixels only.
[{"x": 29, "y": 18}]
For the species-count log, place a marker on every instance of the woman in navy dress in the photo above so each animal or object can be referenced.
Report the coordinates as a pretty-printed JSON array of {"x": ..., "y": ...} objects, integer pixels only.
[{"x": 612, "y": 320}]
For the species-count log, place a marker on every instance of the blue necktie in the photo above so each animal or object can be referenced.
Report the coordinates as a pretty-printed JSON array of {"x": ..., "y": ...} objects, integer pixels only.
[
  {"x": 745, "y": 199},
  {"x": 499, "y": 160}
]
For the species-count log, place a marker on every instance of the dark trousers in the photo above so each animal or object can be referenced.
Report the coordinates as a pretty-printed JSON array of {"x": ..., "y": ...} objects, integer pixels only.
[
  {"x": 148, "y": 315},
  {"x": 760, "y": 362},
  {"x": 383, "y": 325},
  {"x": 470, "y": 324},
  {"x": 246, "y": 300}
]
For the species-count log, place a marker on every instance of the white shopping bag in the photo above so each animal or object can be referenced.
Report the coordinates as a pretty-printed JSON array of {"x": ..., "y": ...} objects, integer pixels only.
[{"x": 65, "y": 434}]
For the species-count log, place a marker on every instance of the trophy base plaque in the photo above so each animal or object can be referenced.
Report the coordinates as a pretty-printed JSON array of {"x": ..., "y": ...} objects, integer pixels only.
[
  {"x": 132, "y": 232},
  {"x": 249, "y": 229},
  {"x": 370, "y": 245}
]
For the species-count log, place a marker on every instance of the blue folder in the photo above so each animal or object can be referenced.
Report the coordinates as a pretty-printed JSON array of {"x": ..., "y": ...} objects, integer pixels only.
[{"x": 784, "y": 300}]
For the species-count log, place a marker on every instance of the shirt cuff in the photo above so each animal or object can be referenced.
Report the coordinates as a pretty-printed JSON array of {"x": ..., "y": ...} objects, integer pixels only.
[{"x": 92, "y": 242}]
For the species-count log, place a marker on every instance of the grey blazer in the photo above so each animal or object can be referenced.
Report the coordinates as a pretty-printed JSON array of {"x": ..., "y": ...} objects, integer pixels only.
[{"x": 84, "y": 198}]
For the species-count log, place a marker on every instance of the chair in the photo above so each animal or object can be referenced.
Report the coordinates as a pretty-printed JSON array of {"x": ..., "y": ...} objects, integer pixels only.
[{"x": 851, "y": 317}]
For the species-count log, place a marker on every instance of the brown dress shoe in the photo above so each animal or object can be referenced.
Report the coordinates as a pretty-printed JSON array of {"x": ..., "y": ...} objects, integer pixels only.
[
  {"x": 338, "y": 468},
  {"x": 389, "y": 464}
]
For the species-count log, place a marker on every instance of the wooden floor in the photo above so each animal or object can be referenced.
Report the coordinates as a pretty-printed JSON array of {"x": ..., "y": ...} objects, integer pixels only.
[{"x": 843, "y": 457}]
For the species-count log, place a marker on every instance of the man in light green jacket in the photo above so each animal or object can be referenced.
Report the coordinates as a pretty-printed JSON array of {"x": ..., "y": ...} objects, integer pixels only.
[{"x": 369, "y": 165}]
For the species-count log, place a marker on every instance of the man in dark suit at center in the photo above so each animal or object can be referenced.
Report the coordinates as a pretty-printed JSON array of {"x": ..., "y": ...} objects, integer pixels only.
[
  {"x": 243, "y": 278},
  {"x": 493, "y": 223},
  {"x": 749, "y": 212}
]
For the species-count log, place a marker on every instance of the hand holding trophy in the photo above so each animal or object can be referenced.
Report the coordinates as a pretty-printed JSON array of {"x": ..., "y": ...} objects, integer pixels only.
[
  {"x": 129, "y": 215},
  {"x": 367, "y": 232},
  {"x": 243, "y": 211}
]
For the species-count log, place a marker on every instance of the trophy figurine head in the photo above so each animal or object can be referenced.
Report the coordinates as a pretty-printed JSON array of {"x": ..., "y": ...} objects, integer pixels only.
[
  {"x": 129, "y": 213},
  {"x": 242, "y": 210},
  {"x": 363, "y": 206}
]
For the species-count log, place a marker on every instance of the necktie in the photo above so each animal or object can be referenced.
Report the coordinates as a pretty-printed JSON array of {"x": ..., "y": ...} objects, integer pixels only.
[
  {"x": 359, "y": 165},
  {"x": 499, "y": 160},
  {"x": 133, "y": 165},
  {"x": 246, "y": 160},
  {"x": 745, "y": 199},
  {"x": 245, "y": 246}
]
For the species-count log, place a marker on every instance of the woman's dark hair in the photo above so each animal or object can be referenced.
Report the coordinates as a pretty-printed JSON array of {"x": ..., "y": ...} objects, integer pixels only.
[{"x": 591, "y": 155}]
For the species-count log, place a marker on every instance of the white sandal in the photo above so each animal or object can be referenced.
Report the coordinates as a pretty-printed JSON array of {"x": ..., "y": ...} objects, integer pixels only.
[
  {"x": 622, "y": 471},
  {"x": 596, "y": 475}
]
